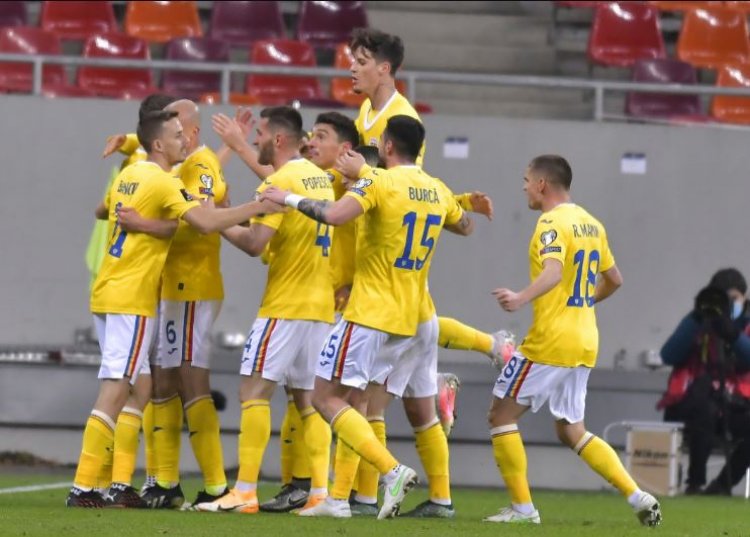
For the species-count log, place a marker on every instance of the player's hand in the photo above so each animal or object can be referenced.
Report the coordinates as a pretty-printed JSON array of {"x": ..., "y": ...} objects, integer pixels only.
[
  {"x": 113, "y": 143},
  {"x": 229, "y": 131},
  {"x": 481, "y": 203},
  {"x": 273, "y": 194},
  {"x": 508, "y": 300},
  {"x": 129, "y": 219},
  {"x": 341, "y": 296},
  {"x": 270, "y": 207},
  {"x": 350, "y": 163},
  {"x": 243, "y": 116}
]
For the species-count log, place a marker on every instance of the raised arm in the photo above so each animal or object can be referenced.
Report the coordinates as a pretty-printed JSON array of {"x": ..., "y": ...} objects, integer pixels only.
[
  {"x": 231, "y": 133},
  {"x": 251, "y": 240},
  {"x": 476, "y": 202}
]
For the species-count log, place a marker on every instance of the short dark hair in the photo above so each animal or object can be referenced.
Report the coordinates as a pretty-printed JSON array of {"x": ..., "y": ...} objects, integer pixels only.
[
  {"x": 150, "y": 127},
  {"x": 729, "y": 278},
  {"x": 383, "y": 47},
  {"x": 372, "y": 157},
  {"x": 154, "y": 103},
  {"x": 406, "y": 134},
  {"x": 342, "y": 125},
  {"x": 286, "y": 118},
  {"x": 554, "y": 168}
]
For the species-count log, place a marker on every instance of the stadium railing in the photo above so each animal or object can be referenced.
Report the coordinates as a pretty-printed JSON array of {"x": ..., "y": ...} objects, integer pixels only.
[{"x": 598, "y": 87}]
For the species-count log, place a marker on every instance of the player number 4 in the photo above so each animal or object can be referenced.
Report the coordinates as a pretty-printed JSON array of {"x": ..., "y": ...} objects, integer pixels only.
[{"x": 323, "y": 239}]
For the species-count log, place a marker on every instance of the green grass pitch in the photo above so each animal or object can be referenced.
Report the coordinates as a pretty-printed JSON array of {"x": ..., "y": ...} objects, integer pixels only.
[{"x": 564, "y": 514}]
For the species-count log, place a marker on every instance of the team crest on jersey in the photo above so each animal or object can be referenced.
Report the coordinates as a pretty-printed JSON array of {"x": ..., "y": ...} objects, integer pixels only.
[
  {"x": 208, "y": 184},
  {"x": 548, "y": 237},
  {"x": 359, "y": 186}
]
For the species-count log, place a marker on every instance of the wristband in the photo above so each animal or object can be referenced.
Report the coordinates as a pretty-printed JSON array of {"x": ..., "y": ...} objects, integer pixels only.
[{"x": 292, "y": 200}]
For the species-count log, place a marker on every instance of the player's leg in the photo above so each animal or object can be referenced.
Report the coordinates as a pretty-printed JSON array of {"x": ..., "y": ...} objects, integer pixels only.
[
  {"x": 366, "y": 499},
  {"x": 346, "y": 460},
  {"x": 567, "y": 403},
  {"x": 200, "y": 412},
  {"x": 456, "y": 335},
  {"x": 124, "y": 341}
]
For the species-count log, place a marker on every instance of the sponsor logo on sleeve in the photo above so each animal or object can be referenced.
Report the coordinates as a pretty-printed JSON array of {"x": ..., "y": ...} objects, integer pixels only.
[
  {"x": 359, "y": 186},
  {"x": 208, "y": 185},
  {"x": 186, "y": 195},
  {"x": 547, "y": 238}
]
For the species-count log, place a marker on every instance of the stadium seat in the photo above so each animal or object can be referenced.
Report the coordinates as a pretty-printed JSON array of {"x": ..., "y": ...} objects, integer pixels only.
[
  {"x": 196, "y": 49},
  {"x": 25, "y": 40},
  {"x": 66, "y": 91},
  {"x": 712, "y": 38},
  {"x": 158, "y": 22},
  {"x": 663, "y": 105},
  {"x": 236, "y": 99},
  {"x": 685, "y": 6},
  {"x": 279, "y": 89},
  {"x": 115, "y": 82},
  {"x": 326, "y": 24},
  {"x": 78, "y": 20},
  {"x": 729, "y": 109},
  {"x": 623, "y": 32},
  {"x": 244, "y": 23},
  {"x": 13, "y": 14}
]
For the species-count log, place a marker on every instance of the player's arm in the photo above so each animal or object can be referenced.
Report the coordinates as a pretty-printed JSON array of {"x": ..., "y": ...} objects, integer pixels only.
[
  {"x": 608, "y": 282},
  {"x": 230, "y": 132},
  {"x": 547, "y": 280},
  {"x": 101, "y": 212},
  {"x": 464, "y": 227},
  {"x": 476, "y": 202},
  {"x": 251, "y": 240},
  {"x": 209, "y": 220},
  {"x": 333, "y": 213},
  {"x": 132, "y": 222},
  {"x": 124, "y": 143}
]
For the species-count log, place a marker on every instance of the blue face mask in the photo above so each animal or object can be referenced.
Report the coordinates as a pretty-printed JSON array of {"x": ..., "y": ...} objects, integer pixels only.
[{"x": 737, "y": 308}]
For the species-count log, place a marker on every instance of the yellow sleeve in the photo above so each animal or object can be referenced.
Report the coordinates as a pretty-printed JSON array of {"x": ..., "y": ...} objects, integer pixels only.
[
  {"x": 607, "y": 260},
  {"x": 454, "y": 212},
  {"x": 271, "y": 220},
  {"x": 464, "y": 200},
  {"x": 368, "y": 188},
  {"x": 205, "y": 176},
  {"x": 551, "y": 243},
  {"x": 174, "y": 199},
  {"x": 130, "y": 145}
]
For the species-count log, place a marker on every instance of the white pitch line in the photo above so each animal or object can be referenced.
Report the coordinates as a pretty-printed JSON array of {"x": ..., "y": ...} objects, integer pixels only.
[{"x": 35, "y": 488}]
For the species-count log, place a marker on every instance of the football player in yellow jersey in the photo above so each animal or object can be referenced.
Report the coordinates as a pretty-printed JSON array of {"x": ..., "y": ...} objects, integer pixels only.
[
  {"x": 572, "y": 269},
  {"x": 399, "y": 204},
  {"x": 294, "y": 317},
  {"x": 125, "y": 293}
]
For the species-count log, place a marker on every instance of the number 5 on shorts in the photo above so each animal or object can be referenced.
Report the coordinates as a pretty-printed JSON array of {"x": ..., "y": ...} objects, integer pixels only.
[{"x": 330, "y": 349}]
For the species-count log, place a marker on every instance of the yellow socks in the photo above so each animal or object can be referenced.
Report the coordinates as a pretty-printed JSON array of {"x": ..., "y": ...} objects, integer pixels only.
[
  {"x": 300, "y": 461},
  {"x": 368, "y": 475},
  {"x": 168, "y": 419},
  {"x": 510, "y": 457},
  {"x": 126, "y": 445},
  {"x": 456, "y": 335},
  {"x": 317, "y": 435},
  {"x": 352, "y": 428},
  {"x": 286, "y": 456},
  {"x": 432, "y": 446},
  {"x": 148, "y": 440},
  {"x": 255, "y": 430},
  {"x": 345, "y": 469},
  {"x": 604, "y": 461},
  {"x": 203, "y": 425},
  {"x": 98, "y": 440}
]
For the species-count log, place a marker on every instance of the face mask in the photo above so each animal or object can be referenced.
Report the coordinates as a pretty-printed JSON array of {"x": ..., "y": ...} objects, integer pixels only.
[{"x": 737, "y": 309}]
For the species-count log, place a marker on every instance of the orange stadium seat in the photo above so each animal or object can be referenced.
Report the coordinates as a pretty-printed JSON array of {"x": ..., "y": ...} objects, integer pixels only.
[
  {"x": 78, "y": 20},
  {"x": 116, "y": 82},
  {"x": 158, "y": 22},
  {"x": 729, "y": 109},
  {"x": 279, "y": 89},
  {"x": 711, "y": 38},
  {"x": 623, "y": 32},
  {"x": 25, "y": 40},
  {"x": 236, "y": 99},
  {"x": 685, "y": 6}
]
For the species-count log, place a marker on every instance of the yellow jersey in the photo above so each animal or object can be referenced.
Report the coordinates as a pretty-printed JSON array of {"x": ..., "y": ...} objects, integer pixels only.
[
  {"x": 299, "y": 284},
  {"x": 563, "y": 331},
  {"x": 128, "y": 281},
  {"x": 193, "y": 269},
  {"x": 132, "y": 150},
  {"x": 405, "y": 211},
  {"x": 371, "y": 124},
  {"x": 343, "y": 247}
]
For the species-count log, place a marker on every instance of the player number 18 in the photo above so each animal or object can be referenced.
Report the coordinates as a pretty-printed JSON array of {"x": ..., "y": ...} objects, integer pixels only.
[{"x": 585, "y": 297}]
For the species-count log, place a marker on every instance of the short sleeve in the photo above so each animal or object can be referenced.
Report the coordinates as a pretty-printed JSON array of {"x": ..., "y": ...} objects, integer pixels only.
[
  {"x": 368, "y": 188},
  {"x": 204, "y": 175},
  {"x": 130, "y": 145},
  {"x": 175, "y": 200},
  {"x": 106, "y": 201},
  {"x": 272, "y": 220},
  {"x": 550, "y": 240},
  {"x": 606, "y": 260}
]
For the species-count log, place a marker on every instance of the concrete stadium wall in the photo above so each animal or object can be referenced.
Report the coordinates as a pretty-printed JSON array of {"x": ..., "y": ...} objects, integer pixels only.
[{"x": 670, "y": 228}]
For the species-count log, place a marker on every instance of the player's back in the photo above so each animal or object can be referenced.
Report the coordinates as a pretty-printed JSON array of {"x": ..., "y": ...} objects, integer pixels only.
[
  {"x": 299, "y": 284},
  {"x": 405, "y": 213},
  {"x": 193, "y": 267},
  {"x": 128, "y": 280},
  {"x": 564, "y": 330}
]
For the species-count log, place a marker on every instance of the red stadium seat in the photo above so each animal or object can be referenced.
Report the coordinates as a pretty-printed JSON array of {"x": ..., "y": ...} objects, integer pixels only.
[
  {"x": 712, "y": 38},
  {"x": 13, "y": 14},
  {"x": 158, "y": 22},
  {"x": 244, "y": 23},
  {"x": 195, "y": 49},
  {"x": 279, "y": 89},
  {"x": 728, "y": 109},
  {"x": 326, "y": 24},
  {"x": 78, "y": 20},
  {"x": 116, "y": 82},
  {"x": 580, "y": 4},
  {"x": 236, "y": 99},
  {"x": 685, "y": 6},
  {"x": 624, "y": 32},
  {"x": 663, "y": 105},
  {"x": 24, "y": 40}
]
